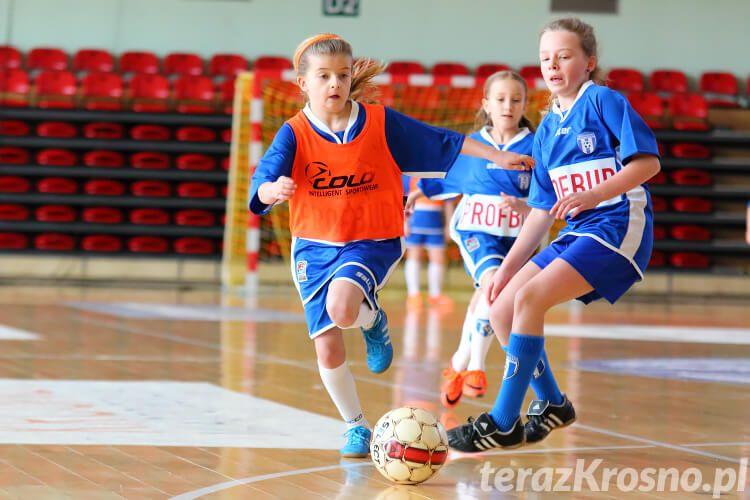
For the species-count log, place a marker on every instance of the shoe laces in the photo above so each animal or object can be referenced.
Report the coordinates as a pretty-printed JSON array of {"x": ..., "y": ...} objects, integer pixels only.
[{"x": 357, "y": 435}]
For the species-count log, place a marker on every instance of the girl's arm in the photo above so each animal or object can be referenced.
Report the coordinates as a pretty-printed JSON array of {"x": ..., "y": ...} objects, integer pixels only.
[
  {"x": 270, "y": 193},
  {"x": 516, "y": 204},
  {"x": 504, "y": 159},
  {"x": 536, "y": 225},
  {"x": 640, "y": 169},
  {"x": 411, "y": 200}
]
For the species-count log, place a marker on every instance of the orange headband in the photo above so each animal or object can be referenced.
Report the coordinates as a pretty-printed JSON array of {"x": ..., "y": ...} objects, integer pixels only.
[{"x": 309, "y": 44}]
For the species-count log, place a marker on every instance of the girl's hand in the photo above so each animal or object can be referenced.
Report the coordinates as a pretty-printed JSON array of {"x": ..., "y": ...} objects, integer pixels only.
[
  {"x": 499, "y": 280},
  {"x": 513, "y": 203},
  {"x": 574, "y": 203},
  {"x": 282, "y": 189},
  {"x": 512, "y": 161},
  {"x": 411, "y": 200}
]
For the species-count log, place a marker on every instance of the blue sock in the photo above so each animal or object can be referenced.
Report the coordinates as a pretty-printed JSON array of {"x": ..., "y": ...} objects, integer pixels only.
[
  {"x": 522, "y": 356},
  {"x": 543, "y": 382}
]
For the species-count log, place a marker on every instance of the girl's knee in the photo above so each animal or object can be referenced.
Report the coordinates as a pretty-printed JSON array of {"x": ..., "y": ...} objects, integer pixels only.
[
  {"x": 529, "y": 297},
  {"x": 341, "y": 314}
]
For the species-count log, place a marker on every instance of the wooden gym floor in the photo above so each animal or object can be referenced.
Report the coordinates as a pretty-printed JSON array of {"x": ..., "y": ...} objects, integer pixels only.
[{"x": 153, "y": 394}]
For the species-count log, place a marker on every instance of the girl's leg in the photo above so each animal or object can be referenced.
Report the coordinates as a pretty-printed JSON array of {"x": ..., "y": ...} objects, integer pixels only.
[
  {"x": 411, "y": 271},
  {"x": 339, "y": 382},
  {"x": 435, "y": 271},
  {"x": 557, "y": 283},
  {"x": 483, "y": 336},
  {"x": 460, "y": 359}
]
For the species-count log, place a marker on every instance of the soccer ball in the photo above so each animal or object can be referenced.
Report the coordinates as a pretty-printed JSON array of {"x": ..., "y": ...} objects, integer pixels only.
[{"x": 408, "y": 445}]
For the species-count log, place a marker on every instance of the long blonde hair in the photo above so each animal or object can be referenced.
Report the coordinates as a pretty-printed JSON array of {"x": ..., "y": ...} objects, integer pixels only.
[
  {"x": 483, "y": 119},
  {"x": 363, "y": 70}
]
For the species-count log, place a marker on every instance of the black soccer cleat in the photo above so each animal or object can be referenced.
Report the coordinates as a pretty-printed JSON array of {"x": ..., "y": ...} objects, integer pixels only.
[
  {"x": 482, "y": 434},
  {"x": 544, "y": 417}
]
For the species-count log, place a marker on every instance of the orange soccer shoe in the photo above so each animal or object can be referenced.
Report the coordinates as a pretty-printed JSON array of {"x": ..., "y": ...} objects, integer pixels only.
[
  {"x": 414, "y": 302},
  {"x": 452, "y": 388},
  {"x": 475, "y": 383},
  {"x": 441, "y": 302}
]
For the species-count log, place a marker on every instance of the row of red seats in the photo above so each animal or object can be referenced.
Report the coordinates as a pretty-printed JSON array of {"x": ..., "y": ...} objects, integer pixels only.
[
  {"x": 59, "y": 89},
  {"x": 684, "y": 232},
  {"x": 107, "y": 215},
  {"x": 110, "y": 187},
  {"x": 685, "y": 111},
  {"x": 107, "y": 243},
  {"x": 680, "y": 259},
  {"x": 690, "y": 204},
  {"x": 105, "y": 130},
  {"x": 105, "y": 158}
]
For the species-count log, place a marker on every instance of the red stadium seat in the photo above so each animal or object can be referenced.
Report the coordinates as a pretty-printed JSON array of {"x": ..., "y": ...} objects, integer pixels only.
[
  {"x": 56, "y": 89},
  {"x": 183, "y": 63},
  {"x": 226, "y": 135},
  {"x": 103, "y": 130},
  {"x": 420, "y": 102},
  {"x": 102, "y": 91},
  {"x": 149, "y": 93},
  {"x": 12, "y": 211},
  {"x": 690, "y": 150},
  {"x": 147, "y": 244},
  {"x": 193, "y": 161},
  {"x": 196, "y": 190},
  {"x": 151, "y": 188},
  {"x": 691, "y": 177},
  {"x": 668, "y": 81},
  {"x": 659, "y": 232},
  {"x": 56, "y": 129},
  {"x": 657, "y": 259},
  {"x": 385, "y": 95},
  {"x": 533, "y": 76},
  {"x": 102, "y": 215},
  {"x": 15, "y": 128},
  {"x": 689, "y": 259},
  {"x": 272, "y": 63},
  {"x": 194, "y": 94},
  {"x": 104, "y": 187},
  {"x": 13, "y": 156},
  {"x": 484, "y": 70},
  {"x": 193, "y": 245},
  {"x": 662, "y": 148},
  {"x": 47, "y": 59},
  {"x": 720, "y": 89},
  {"x": 55, "y": 213},
  {"x": 57, "y": 185},
  {"x": 14, "y": 88},
  {"x": 10, "y": 57},
  {"x": 59, "y": 157},
  {"x": 650, "y": 106},
  {"x": 101, "y": 243},
  {"x": 93, "y": 60},
  {"x": 449, "y": 69},
  {"x": 226, "y": 95},
  {"x": 54, "y": 241},
  {"x": 469, "y": 98},
  {"x": 659, "y": 178},
  {"x": 225, "y": 163},
  {"x": 689, "y": 112},
  {"x": 195, "y": 134},
  {"x": 659, "y": 204},
  {"x": 154, "y": 216},
  {"x": 139, "y": 62},
  {"x": 692, "y": 204},
  {"x": 150, "y": 160},
  {"x": 192, "y": 217},
  {"x": 690, "y": 232},
  {"x": 103, "y": 158},
  {"x": 625, "y": 80},
  {"x": 150, "y": 133},
  {"x": 405, "y": 68},
  {"x": 227, "y": 65},
  {"x": 13, "y": 184},
  {"x": 13, "y": 241}
]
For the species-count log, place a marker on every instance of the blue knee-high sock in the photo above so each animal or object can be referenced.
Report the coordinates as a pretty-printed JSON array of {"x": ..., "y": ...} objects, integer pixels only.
[
  {"x": 522, "y": 356},
  {"x": 543, "y": 382}
]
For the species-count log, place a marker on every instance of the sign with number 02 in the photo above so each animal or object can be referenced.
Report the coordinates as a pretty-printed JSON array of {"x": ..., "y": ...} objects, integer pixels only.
[{"x": 341, "y": 7}]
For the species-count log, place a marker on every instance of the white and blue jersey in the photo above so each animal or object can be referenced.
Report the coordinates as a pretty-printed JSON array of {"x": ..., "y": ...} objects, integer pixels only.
[
  {"x": 575, "y": 151},
  {"x": 418, "y": 149},
  {"x": 483, "y": 231}
]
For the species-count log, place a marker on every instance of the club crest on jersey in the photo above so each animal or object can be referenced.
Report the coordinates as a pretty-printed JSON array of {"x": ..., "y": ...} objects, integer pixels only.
[
  {"x": 586, "y": 142},
  {"x": 471, "y": 244},
  {"x": 301, "y": 271},
  {"x": 511, "y": 366},
  {"x": 524, "y": 181}
]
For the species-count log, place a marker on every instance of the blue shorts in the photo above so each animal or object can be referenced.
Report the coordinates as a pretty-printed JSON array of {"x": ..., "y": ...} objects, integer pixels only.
[
  {"x": 366, "y": 263},
  {"x": 609, "y": 273},
  {"x": 425, "y": 240},
  {"x": 481, "y": 252}
]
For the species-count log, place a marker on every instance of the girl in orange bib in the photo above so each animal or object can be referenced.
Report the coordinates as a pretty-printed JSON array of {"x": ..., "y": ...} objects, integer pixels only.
[{"x": 339, "y": 164}]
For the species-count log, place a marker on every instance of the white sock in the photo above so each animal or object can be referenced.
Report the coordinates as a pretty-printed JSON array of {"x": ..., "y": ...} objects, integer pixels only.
[
  {"x": 410, "y": 342},
  {"x": 482, "y": 338},
  {"x": 434, "y": 279},
  {"x": 339, "y": 383},
  {"x": 460, "y": 358},
  {"x": 366, "y": 317},
  {"x": 411, "y": 269}
]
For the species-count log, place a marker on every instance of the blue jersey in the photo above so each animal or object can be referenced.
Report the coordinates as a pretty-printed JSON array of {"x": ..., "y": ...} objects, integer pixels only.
[
  {"x": 418, "y": 149},
  {"x": 582, "y": 147}
]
